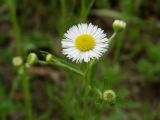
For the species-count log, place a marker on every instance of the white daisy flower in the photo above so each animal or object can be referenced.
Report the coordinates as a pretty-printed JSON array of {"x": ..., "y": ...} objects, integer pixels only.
[{"x": 84, "y": 42}]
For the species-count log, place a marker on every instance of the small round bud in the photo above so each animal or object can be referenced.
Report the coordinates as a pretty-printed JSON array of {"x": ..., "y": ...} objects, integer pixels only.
[
  {"x": 49, "y": 57},
  {"x": 27, "y": 65},
  {"x": 109, "y": 96},
  {"x": 17, "y": 61},
  {"x": 32, "y": 58},
  {"x": 119, "y": 25}
]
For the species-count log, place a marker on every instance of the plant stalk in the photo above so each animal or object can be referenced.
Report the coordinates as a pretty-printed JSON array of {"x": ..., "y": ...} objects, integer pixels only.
[
  {"x": 12, "y": 10},
  {"x": 27, "y": 96}
]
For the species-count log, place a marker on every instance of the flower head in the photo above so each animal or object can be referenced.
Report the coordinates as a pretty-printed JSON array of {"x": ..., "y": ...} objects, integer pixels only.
[{"x": 84, "y": 42}]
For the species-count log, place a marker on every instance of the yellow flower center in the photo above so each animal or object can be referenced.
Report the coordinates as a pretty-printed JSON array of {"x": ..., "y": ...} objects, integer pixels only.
[{"x": 85, "y": 42}]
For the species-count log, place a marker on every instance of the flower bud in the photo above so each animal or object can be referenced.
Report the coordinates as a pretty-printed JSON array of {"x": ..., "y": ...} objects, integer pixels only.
[
  {"x": 17, "y": 61},
  {"x": 49, "y": 57},
  {"x": 109, "y": 96},
  {"x": 32, "y": 58},
  {"x": 119, "y": 25},
  {"x": 27, "y": 65}
]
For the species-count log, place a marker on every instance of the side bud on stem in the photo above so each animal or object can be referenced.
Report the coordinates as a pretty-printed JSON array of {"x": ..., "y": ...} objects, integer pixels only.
[
  {"x": 119, "y": 25},
  {"x": 17, "y": 61},
  {"x": 32, "y": 58},
  {"x": 49, "y": 57},
  {"x": 109, "y": 96}
]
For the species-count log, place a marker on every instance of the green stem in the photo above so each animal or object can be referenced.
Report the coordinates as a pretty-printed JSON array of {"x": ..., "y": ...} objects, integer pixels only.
[
  {"x": 15, "y": 84},
  {"x": 58, "y": 63},
  {"x": 12, "y": 10},
  {"x": 88, "y": 86},
  {"x": 27, "y": 96},
  {"x": 42, "y": 62},
  {"x": 98, "y": 92},
  {"x": 87, "y": 79},
  {"x": 61, "y": 63},
  {"x": 85, "y": 9},
  {"x": 89, "y": 73},
  {"x": 82, "y": 9},
  {"x": 118, "y": 49},
  {"x": 63, "y": 16},
  {"x": 63, "y": 8},
  {"x": 113, "y": 36}
]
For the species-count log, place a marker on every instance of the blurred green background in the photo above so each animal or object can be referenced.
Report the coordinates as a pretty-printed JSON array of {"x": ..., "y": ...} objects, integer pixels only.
[{"x": 131, "y": 67}]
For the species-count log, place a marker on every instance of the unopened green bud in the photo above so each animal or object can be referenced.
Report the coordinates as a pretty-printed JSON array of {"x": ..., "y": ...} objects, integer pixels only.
[
  {"x": 17, "y": 61},
  {"x": 32, "y": 58},
  {"x": 109, "y": 96},
  {"x": 49, "y": 57},
  {"x": 27, "y": 65},
  {"x": 119, "y": 25}
]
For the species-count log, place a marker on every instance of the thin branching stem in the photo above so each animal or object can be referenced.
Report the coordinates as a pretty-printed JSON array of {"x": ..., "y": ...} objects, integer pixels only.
[
  {"x": 27, "y": 96},
  {"x": 112, "y": 37}
]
